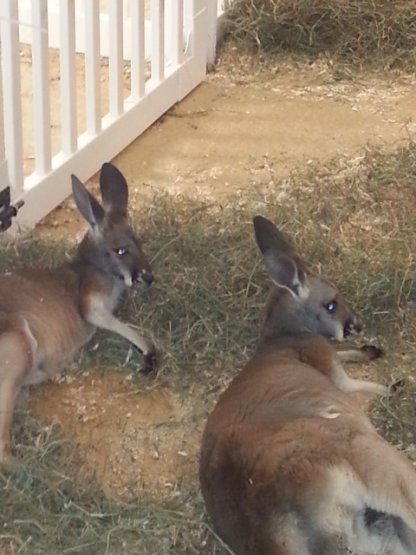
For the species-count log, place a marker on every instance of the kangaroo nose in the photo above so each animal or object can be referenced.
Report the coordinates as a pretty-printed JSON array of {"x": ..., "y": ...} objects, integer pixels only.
[{"x": 147, "y": 277}]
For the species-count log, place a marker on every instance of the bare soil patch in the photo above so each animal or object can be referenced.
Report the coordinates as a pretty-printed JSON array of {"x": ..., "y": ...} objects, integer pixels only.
[{"x": 134, "y": 439}]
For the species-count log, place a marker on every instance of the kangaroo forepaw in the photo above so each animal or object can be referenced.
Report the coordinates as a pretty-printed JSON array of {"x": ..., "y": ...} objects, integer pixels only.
[
  {"x": 372, "y": 352},
  {"x": 149, "y": 363}
]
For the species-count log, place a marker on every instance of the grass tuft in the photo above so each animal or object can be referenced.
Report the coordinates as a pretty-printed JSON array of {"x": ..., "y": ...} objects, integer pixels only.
[{"x": 360, "y": 32}]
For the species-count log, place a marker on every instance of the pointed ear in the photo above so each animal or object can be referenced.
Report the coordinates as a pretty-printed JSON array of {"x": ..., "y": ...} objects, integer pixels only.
[
  {"x": 269, "y": 237},
  {"x": 282, "y": 263},
  {"x": 89, "y": 208},
  {"x": 114, "y": 190},
  {"x": 284, "y": 273}
]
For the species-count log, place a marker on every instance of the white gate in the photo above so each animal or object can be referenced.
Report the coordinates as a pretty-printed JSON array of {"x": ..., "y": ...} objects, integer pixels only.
[{"x": 137, "y": 57}]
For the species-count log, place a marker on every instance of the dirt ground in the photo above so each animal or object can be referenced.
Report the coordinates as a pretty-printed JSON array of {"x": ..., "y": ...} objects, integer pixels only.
[{"x": 246, "y": 123}]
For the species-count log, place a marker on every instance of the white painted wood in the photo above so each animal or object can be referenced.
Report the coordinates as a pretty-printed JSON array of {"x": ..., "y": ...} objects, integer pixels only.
[
  {"x": 67, "y": 77},
  {"x": 137, "y": 66},
  {"x": 41, "y": 96},
  {"x": 115, "y": 61},
  {"x": 4, "y": 174},
  {"x": 10, "y": 67},
  {"x": 178, "y": 64},
  {"x": 157, "y": 15},
  {"x": 81, "y": 35},
  {"x": 92, "y": 67},
  {"x": 174, "y": 32},
  {"x": 212, "y": 17},
  {"x": 195, "y": 29},
  {"x": 2, "y": 145},
  {"x": 128, "y": 7},
  {"x": 114, "y": 137}
]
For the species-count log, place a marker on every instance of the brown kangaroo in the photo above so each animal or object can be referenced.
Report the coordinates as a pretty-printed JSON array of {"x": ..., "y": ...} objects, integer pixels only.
[
  {"x": 47, "y": 315},
  {"x": 290, "y": 465}
]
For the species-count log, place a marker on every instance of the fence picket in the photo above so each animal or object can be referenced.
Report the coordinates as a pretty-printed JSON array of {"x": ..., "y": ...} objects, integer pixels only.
[
  {"x": 175, "y": 33},
  {"x": 137, "y": 66},
  {"x": 92, "y": 67},
  {"x": 12, "y": 112},
  {"x": 67, "y": 78},
  {"x": 115, "y": 59},
  {"x": 41, "y": 95},
  {"x": 4, "y": 177},
  {"x": 157, "y": 14},
  {"x": 176, "y": 47}
]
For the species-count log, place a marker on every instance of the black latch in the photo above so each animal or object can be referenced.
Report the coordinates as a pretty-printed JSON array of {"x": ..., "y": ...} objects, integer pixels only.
[{"x": 7, "y": 210}]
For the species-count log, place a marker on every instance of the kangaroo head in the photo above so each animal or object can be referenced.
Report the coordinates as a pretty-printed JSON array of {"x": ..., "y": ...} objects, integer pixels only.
[
  {"x": 111, "y": 244},
  {"x": 303, "y": 301}
]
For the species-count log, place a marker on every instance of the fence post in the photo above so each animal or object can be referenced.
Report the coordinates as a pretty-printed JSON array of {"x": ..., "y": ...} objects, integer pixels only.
[
  {"x": 174, "y": 33},
  {"x": 41, "y": 94},
  {"x": 4, "y": 175},
  {"x": 157, "y": 58},
  {"x": 212, "y": 16},
  {"x": 11, "y": 95}
]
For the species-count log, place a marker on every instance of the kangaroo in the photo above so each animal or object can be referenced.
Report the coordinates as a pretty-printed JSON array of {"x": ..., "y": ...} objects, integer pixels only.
[
  {"x": 289, "y": 463},
  {"x": 47, "y": 315}
]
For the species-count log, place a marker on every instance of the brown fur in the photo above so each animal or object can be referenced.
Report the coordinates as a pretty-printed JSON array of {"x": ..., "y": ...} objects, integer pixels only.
[
  {"x": 46, "y": 316},
  {"x": 289, "y": 464}
]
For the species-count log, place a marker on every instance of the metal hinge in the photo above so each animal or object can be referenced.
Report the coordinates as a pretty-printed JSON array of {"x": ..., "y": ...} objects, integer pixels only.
[{"x": 7, "y": 210}]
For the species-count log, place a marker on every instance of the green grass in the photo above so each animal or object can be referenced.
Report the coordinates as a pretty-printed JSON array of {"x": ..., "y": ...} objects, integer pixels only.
[{"x": 353, "y": 219}]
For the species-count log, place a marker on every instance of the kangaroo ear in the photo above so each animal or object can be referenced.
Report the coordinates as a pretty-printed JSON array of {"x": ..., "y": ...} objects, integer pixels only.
[
  {"x": 89, "y": 208},
  {"x": 114, "y": 190},
  {"x": 281, "y": 261},
  {"x": 268, "y": 237}
]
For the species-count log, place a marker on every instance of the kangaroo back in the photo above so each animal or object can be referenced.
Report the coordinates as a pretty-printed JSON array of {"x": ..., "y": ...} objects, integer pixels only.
[
  {"x": 289, "y": 464},
  {"x": 47, "y": 315}
]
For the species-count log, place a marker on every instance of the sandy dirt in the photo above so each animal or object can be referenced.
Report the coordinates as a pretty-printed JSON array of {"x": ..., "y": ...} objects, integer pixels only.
[
  {"x": 134, "y": 440},
  {"x": 242, "y": 126}
]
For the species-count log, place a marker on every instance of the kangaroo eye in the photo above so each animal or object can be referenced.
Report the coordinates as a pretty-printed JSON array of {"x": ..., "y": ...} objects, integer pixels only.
[
  {"x": 330, "y": 307},
  {"x": 121, "y": 251}
]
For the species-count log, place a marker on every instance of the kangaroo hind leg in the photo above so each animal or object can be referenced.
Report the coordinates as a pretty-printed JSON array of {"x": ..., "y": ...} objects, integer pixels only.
[
  {"x": 387, "y": 522},
  {"x": 16, "y": 359}
]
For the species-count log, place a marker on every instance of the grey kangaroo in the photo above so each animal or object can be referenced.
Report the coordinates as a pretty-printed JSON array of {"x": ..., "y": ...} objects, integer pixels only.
[
  {"x": 47, "y": 315},
  {"x": 290, "y": 464}
]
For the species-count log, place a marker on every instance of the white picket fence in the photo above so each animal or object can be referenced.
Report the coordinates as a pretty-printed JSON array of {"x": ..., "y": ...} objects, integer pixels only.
[{"x": 140, "y": 56}]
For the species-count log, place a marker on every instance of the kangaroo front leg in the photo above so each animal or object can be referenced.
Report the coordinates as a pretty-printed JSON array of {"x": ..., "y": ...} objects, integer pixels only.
[
  {"x": 344, "y": 382},
  {"x": 101, "y": 318},
  {"x": 144, "y": 346},
  {"x": 353, "y": 354}
]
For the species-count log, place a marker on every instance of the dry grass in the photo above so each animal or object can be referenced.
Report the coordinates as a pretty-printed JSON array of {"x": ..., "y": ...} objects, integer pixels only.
[
  {"x": 46, "y": 509},
  {"x": 359, "y": 32},
  {"x": 353, "y": 218}
]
